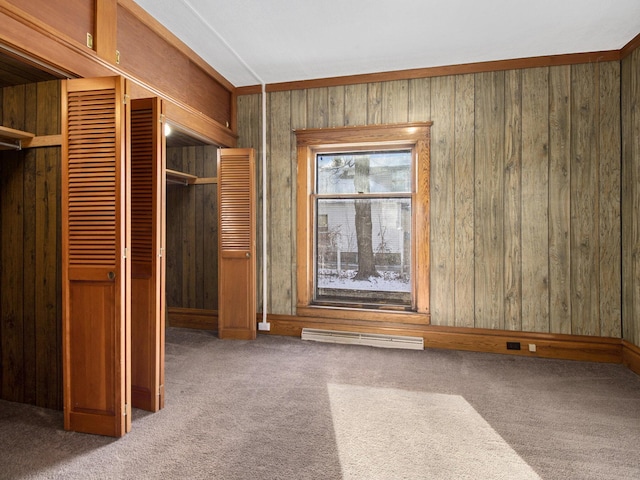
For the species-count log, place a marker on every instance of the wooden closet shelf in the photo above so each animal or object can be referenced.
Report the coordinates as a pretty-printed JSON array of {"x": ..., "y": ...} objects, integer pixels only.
[
  {"x": 175, "y": 177},
  {"x": 12, "y": 139}
]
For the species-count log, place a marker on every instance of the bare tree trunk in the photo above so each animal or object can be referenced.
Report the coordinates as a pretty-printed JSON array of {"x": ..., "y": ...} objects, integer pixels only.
[{"x": 364, "y": 225}]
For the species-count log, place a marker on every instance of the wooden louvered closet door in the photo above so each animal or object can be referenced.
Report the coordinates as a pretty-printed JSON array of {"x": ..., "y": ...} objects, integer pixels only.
[
  {"x": 147, "y": 259},
  {"x": 237, "y": 267},
  {"x": 95, "y": 270}
]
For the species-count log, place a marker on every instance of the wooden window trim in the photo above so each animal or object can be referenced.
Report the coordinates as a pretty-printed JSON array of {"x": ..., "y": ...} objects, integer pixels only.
[{"x": 309, "y": 141}]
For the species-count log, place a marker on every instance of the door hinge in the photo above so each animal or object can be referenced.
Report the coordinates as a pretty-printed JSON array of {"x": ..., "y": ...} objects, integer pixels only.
[
  {"x": 126, "y": 252},
  {"x": 126, "y": 410},
  {"x": 161, "y": 254},
  {"x": 126, "y": 99}
]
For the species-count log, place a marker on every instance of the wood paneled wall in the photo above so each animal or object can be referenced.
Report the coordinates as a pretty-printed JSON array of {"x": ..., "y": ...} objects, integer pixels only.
[
  {"x": 30, "y": 290},
  {"x": 525, "y": 190},
  {"x": 631, "y": 197},
  {"x": 192, "y": 231}
]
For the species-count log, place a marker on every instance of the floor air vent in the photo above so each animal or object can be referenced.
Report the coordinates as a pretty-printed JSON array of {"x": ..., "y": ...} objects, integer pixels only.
[{"x": 370, "y": 339}]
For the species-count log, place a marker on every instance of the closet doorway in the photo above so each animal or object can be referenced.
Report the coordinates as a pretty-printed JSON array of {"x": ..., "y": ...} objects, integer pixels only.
[{"x": 191, "y": 230}]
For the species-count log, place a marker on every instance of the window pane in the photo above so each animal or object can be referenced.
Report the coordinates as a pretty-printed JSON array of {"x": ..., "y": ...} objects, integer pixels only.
[
  {"x": 363, "y": 251},
  {"x": 364, "y": 172}
]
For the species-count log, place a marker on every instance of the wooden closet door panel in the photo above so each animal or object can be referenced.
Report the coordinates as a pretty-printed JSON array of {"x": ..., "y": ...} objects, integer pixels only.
[
  {"x": 95, "y": 270},
  {"x": 237, "y": 246},
  {"x": 147, "y": 262}
]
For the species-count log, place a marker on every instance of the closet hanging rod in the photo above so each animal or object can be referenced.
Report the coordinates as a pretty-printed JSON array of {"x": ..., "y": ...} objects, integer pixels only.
[{"x": 14, "y": 146}]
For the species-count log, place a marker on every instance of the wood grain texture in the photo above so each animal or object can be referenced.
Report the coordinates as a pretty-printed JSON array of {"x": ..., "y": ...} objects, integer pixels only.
[
  {"x": 609, "y": 200},
  {"x": 191, "y": 258},
  {"x": 249, "y": 136},
  {"x": 559, "y": 199},
  {"x": 513, "y": 178},
  {"x": 447, "y": 70},
  {"x": 47, "y": 259},
  {"x": 535, "y": 199},
  {"x": 513, "y": 190},
  {"x": 395, "y": 101},
  {"x": 161, "y": 63},
  {"x": 318, "y": 108},
  {"x": 280, "y": 180},
  {"x": 442, "y": 201},
  {"x": 210, "y": 232},
  {"x": 74, "y": 22},
  {"x": 566, "y": 347},
  {"x": 336, "y": 106},
  {"x": 355, "y": 101},
  {"x": 29, "y": 249},
  {"x": 584, "y": 201},
  {"x": 419, "y": 100},
  {"x": 489, "y": 198},
  {"x": 630, "y": 86},
  {"x": 12, "y": 331},
  {"x": 464, "y": 222}
]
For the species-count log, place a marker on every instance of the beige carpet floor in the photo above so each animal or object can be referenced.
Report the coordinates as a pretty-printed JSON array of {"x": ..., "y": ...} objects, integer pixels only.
[{"x": 283, "y": 408}]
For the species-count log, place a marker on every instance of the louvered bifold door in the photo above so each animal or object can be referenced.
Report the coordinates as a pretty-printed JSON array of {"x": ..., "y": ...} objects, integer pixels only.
[
  {"x": 95, "y": 240},
  {"x": 147, "y": 259},
  {"x": 236, "y": 260}
]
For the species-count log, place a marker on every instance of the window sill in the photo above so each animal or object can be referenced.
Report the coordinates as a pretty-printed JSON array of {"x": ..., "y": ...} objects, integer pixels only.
[{"x": 363, "y": 314}]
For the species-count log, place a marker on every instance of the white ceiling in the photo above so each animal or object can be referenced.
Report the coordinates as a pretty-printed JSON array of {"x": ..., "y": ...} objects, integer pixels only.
[{"x": 288, "y": 40}]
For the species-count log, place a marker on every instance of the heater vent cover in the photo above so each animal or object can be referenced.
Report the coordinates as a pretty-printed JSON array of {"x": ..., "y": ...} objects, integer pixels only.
[{"x": 370, "y": 339}]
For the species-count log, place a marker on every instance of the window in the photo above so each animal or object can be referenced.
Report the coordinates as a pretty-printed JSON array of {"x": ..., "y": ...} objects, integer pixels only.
[{"x": 363, "y": 222}]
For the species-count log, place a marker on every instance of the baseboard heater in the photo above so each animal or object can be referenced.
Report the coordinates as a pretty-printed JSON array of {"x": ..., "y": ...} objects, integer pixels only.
[{"x": 370, "y": 339}]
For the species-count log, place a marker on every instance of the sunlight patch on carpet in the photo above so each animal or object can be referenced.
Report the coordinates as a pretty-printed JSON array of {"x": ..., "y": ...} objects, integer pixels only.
[{"x": 385, "y": 433}]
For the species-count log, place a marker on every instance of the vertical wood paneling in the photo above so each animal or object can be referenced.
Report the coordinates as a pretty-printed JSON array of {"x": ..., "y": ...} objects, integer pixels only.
[
  {"x": 464, "y": 226},
  {"x": 189, "y": 241},
  {"x": 318, "y": 108},
  {"x": 395, "y": 101},
  {"x": 535, "y": 200},
  {"x": 584, "y": 200},
  {"x": 192, "y": 259},
  {"x": 29, "y": 246},
  {"x": 355, "y": 105},
  {"x": 298, "y": 120},
  {"x": 513, "y": 201},
  {"x": 280, "y": 226},
  {"x": 336, "y": 106},
  {"x": 521, "y": 238},
  {"x": 210, "y": 231},
  {"x": 628, "y": 188},
  {"x": 374, "y": 104},
  {"x": 420, "y": 99},
  {"x": 200, "y": 238},
  {"x": 559, "y": 199},
  {"x": 609, "y": 201},
  {"x": 442, "y": 200},
  {"x": 631, "y": 196},
  {"x": 489, "y": 196},
  {"x": 47, "y": 264},
  {"x": 12, "y": 248},
  {"x": 173, "y": 287},
  {"x": 250, "y": 136}
]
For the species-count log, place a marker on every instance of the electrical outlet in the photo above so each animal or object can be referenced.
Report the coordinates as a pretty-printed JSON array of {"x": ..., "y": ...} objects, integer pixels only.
[
  {"x": 513, "y": 345},
  {"x": 264, "y": 326},
  {"x": 532, "y": 347}
]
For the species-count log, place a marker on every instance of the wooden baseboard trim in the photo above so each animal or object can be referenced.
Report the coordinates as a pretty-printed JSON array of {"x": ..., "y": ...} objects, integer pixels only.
[
  {"x": 192, "y": 318},
  {"x": 565, "y": 347},
  {"x": 631, "y": 356}
]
